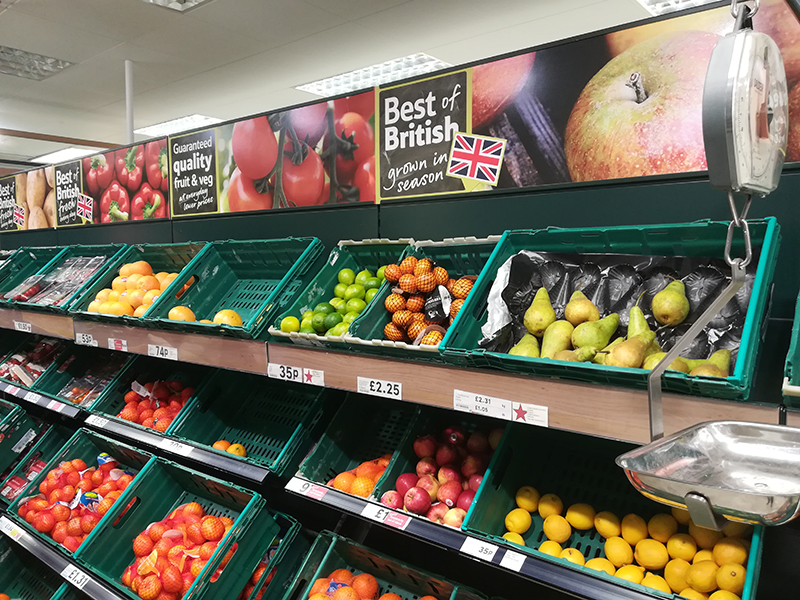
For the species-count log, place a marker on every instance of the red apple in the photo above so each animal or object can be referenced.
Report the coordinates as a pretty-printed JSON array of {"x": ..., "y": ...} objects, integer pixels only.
[
  {"x": 417, "y": 501},
  {"x": 496, "y": 84},
  {"x": 449, "y": 493},
  {"x": 392, "y": 499},
  {"x": 425, "y": 446},
  {"x": 478, "y": 443},
  {"x": 446, "y": 454},
  {"x": 405, "y": 482},
  {"x": 494, "y": 438},
  {"x": 454, "y": 435},
  {"x": 448, "y": 473},
  {"x": 657, "y": 122},
  {"x": 430, "y": 483},
  {"x": 473, "y": 465},
  {"x": 437, "y": 512},
  {"x": 475, "y": 482},
  {"x": 426, "y": 466},
  {"x": 455, "y": 517},
  {"x": 465, "y": 499}
]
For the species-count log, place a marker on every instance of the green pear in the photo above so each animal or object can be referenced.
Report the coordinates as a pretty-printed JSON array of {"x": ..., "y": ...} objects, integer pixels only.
[
  {"x": 630, "y": 353},
  {"x": 608, "y": 348},
  {"x": 693, "y": 363},
  {"x": 636, "y": 322},
  {"x": 654, "y": 348},
  {"x": 679, "y": 364},
  {"x": 595, "y": 334},
  {"x": 556, "y": 338},
  {"x": 580, "y": 309},
  {"x": 540, "y": 314},
  {"x": 579, "y": 355},
  {"x": 527, "y": 346},
  {"x": 709, "y": 370},
  {"x": 600, "y": 358},
  {"x": 722, "y": 360},
  {"x": 670, "y": 305}
]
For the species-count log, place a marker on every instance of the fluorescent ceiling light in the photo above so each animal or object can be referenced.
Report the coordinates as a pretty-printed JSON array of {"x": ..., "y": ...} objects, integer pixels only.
[
  {"x": 65, "y": 155},
  {"x": 177, "y": 125},
  {"x": 179, "y": 5},
  {"x": 380, "y": 74},
  {"x": 662, "y": 7},
  {"x": 29, "y": 65}
]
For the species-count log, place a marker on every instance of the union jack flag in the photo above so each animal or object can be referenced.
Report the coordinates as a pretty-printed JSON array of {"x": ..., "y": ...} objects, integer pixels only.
[
  {"x": 85, "y": 206},
  {"x": 19, "y": 215},
  {"x": 476, "y": 157}
]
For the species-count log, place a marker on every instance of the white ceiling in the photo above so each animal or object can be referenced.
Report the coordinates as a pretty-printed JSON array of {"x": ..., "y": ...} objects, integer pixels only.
[{"x": 230, "y": 58}]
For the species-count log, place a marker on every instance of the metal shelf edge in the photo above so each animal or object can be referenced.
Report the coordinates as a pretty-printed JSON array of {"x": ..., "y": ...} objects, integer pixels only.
[{"x": 45, "y": 402}]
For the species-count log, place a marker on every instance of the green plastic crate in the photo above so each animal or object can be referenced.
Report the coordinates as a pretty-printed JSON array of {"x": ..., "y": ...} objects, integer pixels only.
[
  {"x": 791, "y": 382},
  {"x": 577, "y": 469},
  {"x": 161, "y": 487},
  {"x": 703, "y": 239},
  {"x": 19, "y": 431},
  {"x": 68, "y": 592},
  {"x": 364, "y": 428},
  {"x": 256, "y": 278},
  {"x": 23, "y": 576},
  {"x": 24, "y": 263},
  {"x": 110, "y": 251},
  {"x": 366, "y": 254},
  {"x": 143, "y": 369},
  {"x": 170, "y": 258},
  {"x": 272, "y": 419},
  {"x": 460, "y": 256},
  {"x": 331, "y": 551},
  {"x": 86, "y": 445},
  {"x": 28, "y": 343}
]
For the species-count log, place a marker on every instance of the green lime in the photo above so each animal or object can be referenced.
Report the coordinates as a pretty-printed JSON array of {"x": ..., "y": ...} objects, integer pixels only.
[
  {"x": 308, "y": 314},
  {"x": 290, "y": 324},
  {"x": 370, "y": 295},
  {"x": 347, "y": 276},
  {"x": 372, "y": 283},
  {"x": 338, "y": 304},
  {"x": 337, "y": 330},
  {"x": 339, "y": 290},
  {"x": 379, "y": 274},
  {"x": 355, "y": 305},
  {"x": 355, "y": 291},
  {"x": 306, "y": 323},
  {"x": 350, "y": 317},
  {"x": 363, "y": 276},
  {"x": 324, "y": 307},
  {"x": 332, "y": 320},
  {"x": 307, "y": 329},
  {"x": 318, "y": 322}
]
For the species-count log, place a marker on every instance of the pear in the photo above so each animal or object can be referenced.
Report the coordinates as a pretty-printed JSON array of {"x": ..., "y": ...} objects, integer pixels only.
[
  {"x": 556, "y": 338},
  {"x": 670, "y": 305},
  {"x": 654, "y": 348},
  {"x": 630, "y": 353},
  {"x": 638, "y": 324},
  {"x": 679, "y": 364},
  {"x": 540, "y": 313},
  {"x": 579, "y": 355},
  {"x": 600, "y": 358},
  {"x": 722, "y": 360},
  {"x": 595, "y": 334},
  {"x": 580, "y": 309},
  {"x": 527, "y": 346},
  {"x": 709, "y": 370},
  {"x": 608, "y": 348}
]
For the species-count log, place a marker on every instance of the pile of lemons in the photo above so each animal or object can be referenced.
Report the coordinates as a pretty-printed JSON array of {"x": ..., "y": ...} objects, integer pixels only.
[{"x": 693, "y": 562}]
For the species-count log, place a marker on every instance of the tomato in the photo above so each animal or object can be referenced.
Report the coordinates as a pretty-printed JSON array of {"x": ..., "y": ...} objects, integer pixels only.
[
  {"x": 364, "y": 180},
  {"x": 353, "y": 124},
  {"x": 303, "y": 183},
  {"x": 255, "y": 148},
  {"x": 242, "y": 194},
  {"x": 363, "y": 104},
  {"x": 309, "y": 122}
]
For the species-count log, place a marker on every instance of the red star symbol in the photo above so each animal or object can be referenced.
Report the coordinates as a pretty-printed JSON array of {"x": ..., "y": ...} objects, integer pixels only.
[
  {"x": 308, "y": 376},
  {"x": 520, "y": 413}
]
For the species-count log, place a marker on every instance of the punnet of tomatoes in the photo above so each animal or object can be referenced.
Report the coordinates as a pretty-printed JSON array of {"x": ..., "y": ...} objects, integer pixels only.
[
  {"x": 73, "y": 498},
  {"x": 155, "y": 404}
]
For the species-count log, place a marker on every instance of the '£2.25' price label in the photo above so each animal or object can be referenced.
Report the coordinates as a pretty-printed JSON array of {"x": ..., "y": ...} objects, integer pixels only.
[{"x": 379, "y": 387}]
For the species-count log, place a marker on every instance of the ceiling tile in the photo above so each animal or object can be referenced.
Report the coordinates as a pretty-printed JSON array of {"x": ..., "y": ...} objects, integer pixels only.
[
  {"x": 355, "y": 9},
  {"x": 10, "y": 85}
]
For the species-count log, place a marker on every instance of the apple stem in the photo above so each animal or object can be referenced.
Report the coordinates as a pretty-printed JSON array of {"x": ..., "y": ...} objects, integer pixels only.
[{"x": 636, "y": 83}]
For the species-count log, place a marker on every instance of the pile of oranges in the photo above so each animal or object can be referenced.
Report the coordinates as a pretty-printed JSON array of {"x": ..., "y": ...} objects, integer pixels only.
[
  {"x": 226, "y": 316},
  {"x": 159, "y": 407},
  {"x": 133, "y": 291},
  {"x": 343, "y": 584},
  {"x": 361, "y": 480},
  {"x": 417, "y": 279}
]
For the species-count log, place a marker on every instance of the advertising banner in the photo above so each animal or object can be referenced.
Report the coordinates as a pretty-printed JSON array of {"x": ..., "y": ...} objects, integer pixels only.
[
  {"x": 68, "y": 194},
  {"x": 193, "y": 161},
  {"x": 8, "y": 200}
]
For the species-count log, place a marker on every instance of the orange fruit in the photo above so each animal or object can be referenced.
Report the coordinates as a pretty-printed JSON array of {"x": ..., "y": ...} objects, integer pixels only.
[
  {"x": 150, "y": 297},
  {"x": 181, "y": 313},
  {"x": 390, "y": 596},
  {"x": 141, "y": 267},
  {"x": 120, "y": 308},
  {"x": 221, "y": 445},
  {"x": 132, "y": 281},
  {"x": 103, "y": 308},
  {"x": 319, "y": 596},
  {"x": 113, "y": 296},
  {"x": 102, "y": 295},
  {"x": 342, "y": 576},
  {"x": 368, "y": 469},
  {"x": 125, "y": 270},
  {"x": 167, "y": 280},
  {"x": 345, "y": 593},
  {"x": 228, "y": 317},
  {"x": 236, "y": 449},
  {"x": 161, "y": 276},
  {"x": 343, "y": 481},
  {"x": 320, "y": 585},
  {"x": 366, "y": 586},
  {"x": 94, "y": 306},
  {"x": 205, "y": 321},
  {"x": 140, "y": 310},
  {"x": 147, "y": 283},
  {"x": 362, "y": 486},
  {"x": 118, "y": 285}
]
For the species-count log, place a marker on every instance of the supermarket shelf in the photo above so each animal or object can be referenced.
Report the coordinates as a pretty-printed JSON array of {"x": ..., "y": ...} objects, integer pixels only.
[
  {"x": 542, "y": 571},
  {"x": 36, "y": 322},
  {"x": 25, "y": 396},
  {"x": 71, "y": 572},
  {"x": 606, "y": 411},
  {"x": 793, "y": 418},
  {"x": 138, "y": 436}
]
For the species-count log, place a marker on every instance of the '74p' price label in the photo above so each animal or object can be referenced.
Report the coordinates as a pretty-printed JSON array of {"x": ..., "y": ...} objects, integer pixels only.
[
  {"x": 379, "y": 387},
  {"x": 162, "y": 351}
]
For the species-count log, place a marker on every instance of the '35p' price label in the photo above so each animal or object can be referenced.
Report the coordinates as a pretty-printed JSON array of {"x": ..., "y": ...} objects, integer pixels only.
[
  {"x": 285, "y": 372},
  {"x": 479, "y": 549}
]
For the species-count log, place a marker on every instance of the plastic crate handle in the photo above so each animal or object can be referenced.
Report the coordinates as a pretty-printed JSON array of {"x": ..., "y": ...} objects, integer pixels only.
[{"x": 127, "y": 512}]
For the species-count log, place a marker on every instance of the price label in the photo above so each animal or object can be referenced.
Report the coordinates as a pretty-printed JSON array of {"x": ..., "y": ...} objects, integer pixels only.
[
  {"x": 75, "y": 576},
  {"x": 379, "y": 387},
  {"x": 12, "y": 389},
  {"x": 479, "y": 549},
  {"x": 23, "y": 326},
  {"x": 481, "y": 405},
  {"x": 397, "y": 520},
  {"x": 306, "y": 488},
  {"x": 375, "y": 512},
  {"x": 85, "y": 339},
  {"x": 512, "y": 560},
  {"x": 119, "y": 345},
  {"x": 55, "y": 405},
  {"x": 11, "y": 530},
  {"x": 175, "y": 447},
  {"x": 314, "y": 377},
  {"x": 31, "y": 397},
  {"x": 532, "y": 414},
  {"x": 96, "y": 420},
  {"x": 162, "y": 352},
  {"x": 285, "y": 373}
]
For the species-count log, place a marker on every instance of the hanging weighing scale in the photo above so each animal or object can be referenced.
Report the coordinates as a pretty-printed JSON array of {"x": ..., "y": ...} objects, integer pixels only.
[{"x": 727, "y": 470}]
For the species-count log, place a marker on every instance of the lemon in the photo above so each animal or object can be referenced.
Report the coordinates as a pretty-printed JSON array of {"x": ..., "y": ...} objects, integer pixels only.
[
  {"x": 618, "y": 551},
  {"x": 702, "y": 555},
  {"x": 550, "y": 504},
  {"x": 705, "y": 538},
  {"x": 729, "y": 550},
  {"x": 662, "y": 527},
  {"x": 556, "y": 528},
  {"x": 691, "y": 594},
  {"x": 634, "y": 529},
  {"x": 737, "y": 530},
  {"x": 651, "y": 554},
  {"x": 514, "y": 537},
  {"x": 682, "y": 545},
  {"x": 290, "y": 324},
  {"x": 731, "y": 578},
  {"x": 550, "y": 547},
  {"x": 723, "y": 595},
  {"x": 607, "y": 524},
  {"x": 681, "y": 515},
  {"x": 601, "y": 564},
  {"x": 573, "y": 555},
  {"x": 527, "y": 498},
  {"x": 518, "y": 521},
  {"x": 656, "y": 583},
  {"x": 581, "y": 516},
  {"x": 631, "y": 573},
  {"x": 702, "y": 576},
  {"x": 675, "y": 573}
]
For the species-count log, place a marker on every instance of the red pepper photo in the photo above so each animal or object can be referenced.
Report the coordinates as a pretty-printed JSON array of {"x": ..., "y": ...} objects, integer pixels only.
[
  {"x": 99, "y": 172},
  {"x": 149, "y": 204},
  {"x": 130, "y": 162},
  {"x": 156, "y": 158},
  {"x": 114, "y": 204}
]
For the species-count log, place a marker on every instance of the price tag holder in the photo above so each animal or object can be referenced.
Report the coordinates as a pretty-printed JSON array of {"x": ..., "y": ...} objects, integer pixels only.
[
  {"x": 97, "y": 421},
  {"x": 397, "y": 520},
  {"x": 512, "y": 560},
  {"x": 314, "y": 377},
  {"x": 85, "y": 339},
  {"x": 119, "y": 345},
  {"x": 162, "y": 352},
  {"x": 75, "y": 576},
  {"x": 479, "y": 549},
  {"x": 285, "y": 373},
  {"x": 12, "y": 389},
  {"x": 11, "y": 530},
  {"x": 380, "y": 387},
  {"x": 375, "y": 512},
  {"x": 175, "y": 447},
  {"x": 306, "y": 488},
  {"x": 23, "y": 326},
  {"x": 31, "y": 397},
  {"x": 55, "y": 405},
  {"x": 479, "y": 404}
]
